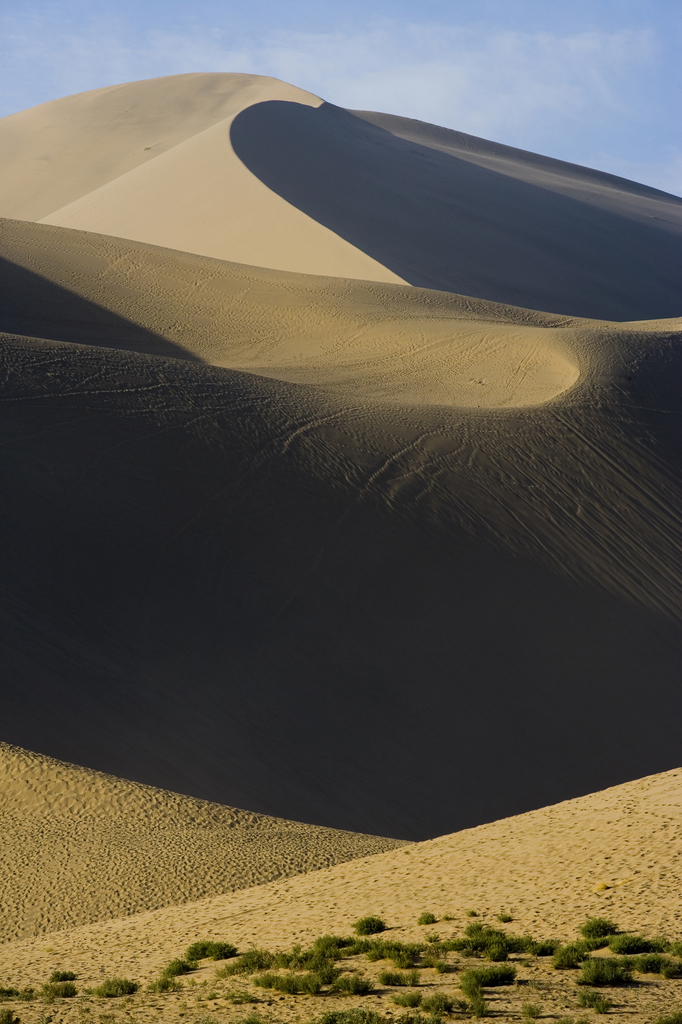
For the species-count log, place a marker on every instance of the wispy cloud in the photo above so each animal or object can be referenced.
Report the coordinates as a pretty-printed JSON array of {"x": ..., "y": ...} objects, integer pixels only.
[{"x": 575, "y": 96}]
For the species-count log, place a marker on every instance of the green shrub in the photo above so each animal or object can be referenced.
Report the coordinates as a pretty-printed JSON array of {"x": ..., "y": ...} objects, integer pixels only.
[
  {"x": 629, "y": 944},
  {"x": 165, "y": 984},
  {"x": 543, "y": 947},
  {"x": 478, "y": 1006},
  {"x": 354, "y": 985},
  {"x": 673, "y": 1018},
  {"x": 358, "y": 1015},
  {"x": 177, "y": 967},
  {"x": 595, "y": 1000},
  {"x": 399, "y": 978},
  {"x": 656, "y": 963},
  {"x": 410, "y": 999},
  {"x": 206, "y": 949},
  {"x": 369, "y": 926},
  {"x": 113, "y": 987},
  {"x": 438, "y": 1004},
  {"x": 248, "y": 963},
  {"x": 491, "y": 942},
  {"x": 59, "y": 990},
  {"x": 9, "y": 993},
  {"x": 292, "y": 984},
  {"x": 9, "y": 1017},
  {"x": 472, "y": 913},
  {"x": 605, "y": 971},
  {"x": 674, "y": 947},
  {"x": 491, "y": 976},
  {"x": 331, "y": 946},
  {"x": 505, "y": 918},
  {"x": 598, "y": 928},
  {"x": 427, "y": 918},
  {"x": 63, "y": 976},
  {"x": 569, "y": 956},
  {"x": 531, "y": 1011},
  {"x": 402, "y": 954}
]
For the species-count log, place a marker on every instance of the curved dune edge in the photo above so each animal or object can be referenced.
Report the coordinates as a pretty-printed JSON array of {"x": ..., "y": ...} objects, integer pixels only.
[
  {"x": 255, "y": 171},
  {"x": 612, "y": 853},
  {"x": 374, "y": 342},
  {"x": 82, "y": 846}
]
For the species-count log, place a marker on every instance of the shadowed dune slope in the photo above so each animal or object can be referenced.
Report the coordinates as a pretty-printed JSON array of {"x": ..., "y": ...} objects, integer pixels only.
[
  {"x": 79, "y": 846},
  {"x": 309, "y": 571},
  {"x": 614, "y": 853},
  {"x": 255, "y": 171}
]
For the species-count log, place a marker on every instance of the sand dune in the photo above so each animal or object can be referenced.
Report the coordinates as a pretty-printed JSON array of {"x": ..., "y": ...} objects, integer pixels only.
[
  {"x": 613, "y": 853},
  {"x": 79, "y": 846},
  {"x": 258, "y": 172},
  {"x": 352, "y": 572}
]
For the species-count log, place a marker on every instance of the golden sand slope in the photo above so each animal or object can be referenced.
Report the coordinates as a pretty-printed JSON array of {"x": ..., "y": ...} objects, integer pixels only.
[
  {"x": 389, "y": 566},
  {"x": 613, "y": 853},
  {"x": 256, "y": 171},
  {"x": 79, "y": 846}
]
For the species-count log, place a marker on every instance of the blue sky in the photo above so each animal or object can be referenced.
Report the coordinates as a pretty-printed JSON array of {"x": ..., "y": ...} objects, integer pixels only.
[{"x": 597, "y": 83}]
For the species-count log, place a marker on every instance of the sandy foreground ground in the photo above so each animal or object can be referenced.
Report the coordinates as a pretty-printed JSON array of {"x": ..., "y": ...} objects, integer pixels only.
[
  {"x": 615, "y": 853},
  {"x": 102, "y": 847}
]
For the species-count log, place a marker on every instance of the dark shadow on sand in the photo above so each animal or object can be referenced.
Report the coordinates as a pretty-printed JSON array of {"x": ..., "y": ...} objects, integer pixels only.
[
  {"x": 35, "y": 307},
  {"x": 442, "y": 222}
]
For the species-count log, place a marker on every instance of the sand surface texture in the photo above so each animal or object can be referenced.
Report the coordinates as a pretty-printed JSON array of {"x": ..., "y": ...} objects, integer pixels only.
[
  {"x": 256, "y": 171},
  {"x": 79, "y": 846},
  {"x": 352, "y": 552},
  {"x": 615, "y": 853},
  {"x": 228, "y": 574}
]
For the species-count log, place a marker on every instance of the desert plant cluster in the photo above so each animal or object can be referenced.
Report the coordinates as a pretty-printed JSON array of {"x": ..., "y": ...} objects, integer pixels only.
[{"x": 411, "y": 976}]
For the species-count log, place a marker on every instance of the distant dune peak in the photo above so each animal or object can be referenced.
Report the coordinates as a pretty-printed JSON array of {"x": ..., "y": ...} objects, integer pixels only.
[{"x": 256, "y": 171}]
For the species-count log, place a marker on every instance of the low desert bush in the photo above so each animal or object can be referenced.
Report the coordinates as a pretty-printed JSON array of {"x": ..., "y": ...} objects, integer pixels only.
[
  {"x": 354, "y": 985},
  {"x": 113, "y": 987},
  {"x": 401, "y": 954},
  {"x": 629, "y": 944},
  {"x": 358, "y": 1015},
  {"x": 9, "y": 993},
  {"x": 59, "y": 990},
  {"x": 206, "y": 949},
  {"x": 543, "y": 947},
  {"x": 569, "y": 956},
  {"x": 438, "y": 1004},
  {"x": 399, "y": 978},
  {"x": 656, "y": 963},
  {"x": 481, "y": 939},
  {"x": 490, "y": 976},
  {"x": 292, "y": 984},
  {"x": 478, "y": 1006},
  {"x": 598, "y": 928},
  {"x": 410, "y": 999},
  {"x": 427, "y": 918},
  {"x": 505, "y": 918},
  {"x": 595, "y": 1000},
  {"x": 165, "y": 984},
  {"x": 248, "y": 963},
  {"x": 178, "y": 967},
  {"x": 531, "y": 1011},
  {"x": 605, "y": 971},
  {"x": 369, "y": 926},
  {"x": 673, "y": 1018},
  {"x": 472, "y": 913},
  {"x": 63, "y": 976},
  {"x": 9, "y": 1017}
]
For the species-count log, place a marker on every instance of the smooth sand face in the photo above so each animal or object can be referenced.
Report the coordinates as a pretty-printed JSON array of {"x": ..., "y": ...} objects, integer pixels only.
[
  {"x": 613, "y": 853},
  {"x": 255, "y": 171},
  {"x": 277, "y": 539},
  {"x": 80, "y": 846},
  {"x": 380, "y": 343},
  {"x": 333, "y": 548}
]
